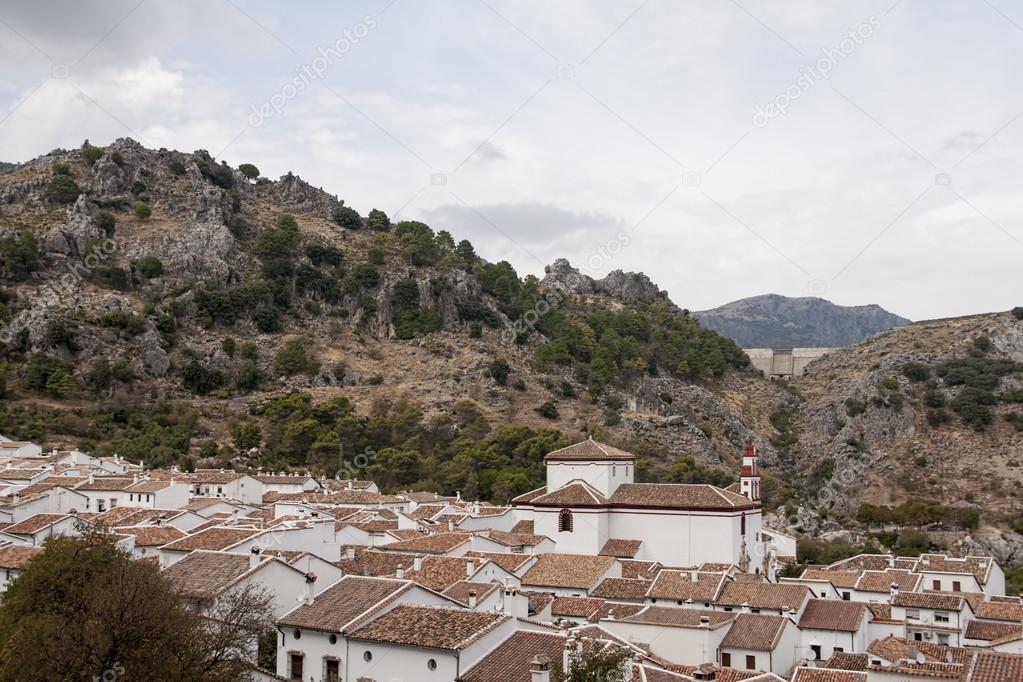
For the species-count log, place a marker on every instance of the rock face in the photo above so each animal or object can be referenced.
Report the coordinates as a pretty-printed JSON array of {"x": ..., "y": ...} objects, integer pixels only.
[
  {"x": 774, "y": 321},
  {"x": 627, "y": 287}
]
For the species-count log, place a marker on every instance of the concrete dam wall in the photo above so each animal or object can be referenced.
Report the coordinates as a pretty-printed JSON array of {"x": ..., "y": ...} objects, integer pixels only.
[{"x": 784, "y": 362}]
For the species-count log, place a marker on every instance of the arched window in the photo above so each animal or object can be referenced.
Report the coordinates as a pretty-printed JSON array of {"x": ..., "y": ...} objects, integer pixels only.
[{"x": 565, "y": 521}]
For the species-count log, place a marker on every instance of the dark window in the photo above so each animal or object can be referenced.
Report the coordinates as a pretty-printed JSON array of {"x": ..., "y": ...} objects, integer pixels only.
[
  {"x": 333, "y": 639},
  {"x": 296, "y": 666},
  {"x": 845, "y": 596},
  {"x": 333, "y": 670},
  {"x": 726, "y": 660},
  {"x": 935, "y": 584},
  {"x": 838, "y": 649},
  {"x": 751, "y": 662},
  {"x": 742, "y": 525},
  {"x": 816, "y": 649},
  {"x": 565, "y": 521},
  {"x": 431, "y": 664},
  {"x": 957, "y": 586},
  {"x": 918, "y": 636}
]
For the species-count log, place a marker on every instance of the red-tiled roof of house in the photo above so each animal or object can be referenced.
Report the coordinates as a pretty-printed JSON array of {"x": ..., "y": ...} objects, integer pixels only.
[
  {"x": 678, "y": 496},
  {"x": 515, "y": 539},
  {"x": 928, "y": 600},
  {"x": 990, "y": 630},
  {"x": 207, "y": 575},
  {"x": 429, "y": 626},
  {"x": 978, "y": 566},
  {"x": 523, "y": 527},
  {"x": 845, "y": 660},
  {"x": 840, "y": 579},
  {"x": 219, "y": 537},
  {"x": 832, "y": 614},
  {"x": 575, "y": 494},
  {"x": 827, "y": 675},
  {"x": 623, "y": 549},
  {"x": 575, "y": 607},
  {"x": 510, "y": 661},
  {"x": 34, "y": 524},
  {"x": 17, "y": 557},
  {"x": 463, "y": 590},
  {"x": 763, "y": 595},
  {"x": 151, "y": 536},
  {"x": 990, "y": 666},
  {"x": 441, "y": 543},
  {"x": 881, "y": 581},
  {"x": 671, "y": 616},
  {"x": 634, "y": 568},
  {"x": 680, "y": 585},
  {"x": 506, "y": 560},
  {"x": 754, "y": 632},
  {"x": 1005, "y": 611},
  {"x": 589, "y": 451},
  {"x": 622, "y": 588},
  {"x": 440, "y": 572},
  {"x": 579, "y": 571},
  {"x": 345, "y": 603}
]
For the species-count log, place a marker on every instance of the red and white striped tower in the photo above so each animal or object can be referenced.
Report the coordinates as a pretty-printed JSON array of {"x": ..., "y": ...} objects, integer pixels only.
[{"x": 749, "y": 480}]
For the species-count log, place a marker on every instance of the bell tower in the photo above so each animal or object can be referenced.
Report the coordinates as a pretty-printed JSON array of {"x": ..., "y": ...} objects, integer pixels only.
[{"x": 749, "y": 479}]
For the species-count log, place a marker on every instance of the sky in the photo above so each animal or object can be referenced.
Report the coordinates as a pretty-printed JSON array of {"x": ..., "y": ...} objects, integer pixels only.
[{"x": 861, "y": 151}]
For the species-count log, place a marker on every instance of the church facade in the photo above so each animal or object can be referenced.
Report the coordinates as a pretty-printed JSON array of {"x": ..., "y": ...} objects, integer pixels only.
[{"x": 592, "y": 505}]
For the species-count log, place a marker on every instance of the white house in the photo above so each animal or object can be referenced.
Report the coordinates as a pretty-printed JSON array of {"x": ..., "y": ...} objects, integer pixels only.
[
  {"x": 682, "y": 636},
  {"x": 760, "y": 642},
  {"x": 829, "y": 626},
  {"x": 590, "y": 498}
]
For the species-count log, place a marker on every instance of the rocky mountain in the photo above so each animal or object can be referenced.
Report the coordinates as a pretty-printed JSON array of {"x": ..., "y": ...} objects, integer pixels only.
[
  {"x": 167, "y": 307},
  {"x": 7, "y": 167},
  {"x": 774, "y": 321}
]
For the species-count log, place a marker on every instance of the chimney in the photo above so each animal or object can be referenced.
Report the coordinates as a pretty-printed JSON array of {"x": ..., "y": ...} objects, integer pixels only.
[
  {"x": 417, "y": 563},
  {"x": 704, "y": 620},
  {"x": 472, "y": 599},
  {"x": 894, "y": 588},
  {"x": 92, "y": 477},
  {"x": 458, "y": 495},
  {"x": 566, "y": 655},
  {"x": 400, "y": 573},
  {"x": 310, "y": 587},
  {"x": 255, "y": 556},
  {"x": 470, "y": 568},
  {"x": 610, "y": 614},
  {"x": 745, "y": 607},
  {"x": 451, "y": 526},
  {"x": 349, "y": 486},
  {"x": 349, "y": 553},
  {"x": 540, "y": 669}
]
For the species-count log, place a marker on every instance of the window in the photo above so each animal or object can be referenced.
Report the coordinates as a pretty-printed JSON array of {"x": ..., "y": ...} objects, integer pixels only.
[
  {"x": 816, "y": 649},
  {"x": 751, "y": 662},
  {"x": 838, "y": 649},
  {"x": 943, "y": 639},
  {"x": 742, "y": 524},
  {"x": 957, "y": 586},
  {"x": 726, "y": 660},
  {"x": 845, "y": 596},
  {"x": 918, "y": 636},
  {"x": 113, "y": 502},
  {"x": 565, "y": 521},
  {"x": 935, "y": 584},
  {"x": 431, "y": 664},
  {"x": 332, "y": 670},
  {"x": 332, "y": 639},
  {"x": 296, "y": 666},
  {"x": 367, "y": 655},
  {"x": 913, "y": 614},
  {"x": 940, "y": 617},
  {"x": 298, "y": 634}
]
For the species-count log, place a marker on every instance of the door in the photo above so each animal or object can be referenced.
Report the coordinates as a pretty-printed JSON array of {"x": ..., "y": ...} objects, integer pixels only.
[
  {"x": 296, "y": 666},
  {"x": 333, "y": 670}
]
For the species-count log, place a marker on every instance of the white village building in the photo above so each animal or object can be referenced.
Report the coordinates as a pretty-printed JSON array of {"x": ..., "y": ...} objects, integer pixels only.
[{"x": 591, "y": 499}]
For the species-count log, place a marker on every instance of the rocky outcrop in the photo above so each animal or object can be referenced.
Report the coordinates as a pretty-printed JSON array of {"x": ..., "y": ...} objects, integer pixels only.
[{"x": 626, "y": 287}]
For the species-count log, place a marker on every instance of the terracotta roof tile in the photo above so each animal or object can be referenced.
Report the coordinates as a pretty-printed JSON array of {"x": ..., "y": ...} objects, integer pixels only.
[
  {"x": 205, "y": 575},
  {"x": 578, "y": 571},
  {"x": 1004, "y": 611},
  {"x": 17, "y": 557},
  {"x": 988, "y": 630},
  {"x": 34, "y": 524},
  {"x": 213, "y": 539},
  {"x": 460, "y": 591},
  {"x": 440, "y": 572},
  {"x": 680, "y": 586},
  {"x": 515, "y": 539},
  {"x": 632, "y": 568},
  {"x": 671, "y": 616},
  {"x": 678, "y": 496},
  {"x": 624, "y": 549},
  {"x": 844, "y": 660},
  {"x": 577, "y": 494},
  {"x": 622, "y": 588},
  {"x": 510, "y": 661},
  {"x": 345, "y": 603},
  {"x": 832, "y": 614},
  {"x": 151, "y": 536},
  {"x": 763, "y": 595},
  {"x": 506, "y": 560},
  {"x": 434, "y": 627},
  {"x": 575, "y": 607},
  {"x": 754, "y": 631},
  {"x": 840, "y": 579},
  {"x": 881, "y": 581},
  {"x": 523, "y": 527},
  {"x": 441, "y": 543},
  {"x": 989, "y": 666},
  {"x": 589, "y": 450},
  {"x": 827, "y": 675},
  {"x": 926, "y": 600}
]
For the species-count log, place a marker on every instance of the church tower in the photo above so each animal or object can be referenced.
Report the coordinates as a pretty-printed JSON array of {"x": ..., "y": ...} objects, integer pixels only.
[{"x": 749, "y": 480}]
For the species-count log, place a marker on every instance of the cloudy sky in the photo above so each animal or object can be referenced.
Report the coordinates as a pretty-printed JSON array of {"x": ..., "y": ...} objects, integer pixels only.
[{"x": 867, "y": 152}]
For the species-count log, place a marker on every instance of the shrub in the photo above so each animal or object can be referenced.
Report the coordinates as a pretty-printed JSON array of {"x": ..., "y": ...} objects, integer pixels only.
[
  {"x": 972, "y": 406},
  {"x": 122, "y": 371},
  {"x": 105, "y": 221},
  {"x": 138, "y": 187},
  {"x": 98, "y": 378},
  {"x": 320, "y": 254},
  {"x": 59, "y": 168},
  {"x": 47, "y": 373},
  {"x": 199, "y": 379},
  {"x": 409, "y": 324},
  {"x": 62, "y": 189},
  {"x": 375, "y": 255},
  {"x": 176, "y": 167},
  {"x": 295, "y": 358},
  {"x": 548, "y": 410},
  {"x": 280, "y": 241},
  {"x": 249, "y": 171},
  {"x": 346, "y": 216},
  {"x": 378, "y": 220},
  {"x": 150, "y": 266},
  {"x": 934, "y": 398},
  {"x": 91, "y": 154},
  {"x": 915, "y": 371},
  {"x": 129, "y": 323},
  {"x": 246, "y": 435},
  {"x": 937, "y": 417},
  {"x": 499, "y": 371},
  {"x": 365, "y": 276},
  {"x": 891, "y": 383},
  {"x": 142, "y": 210},
  {"x": 1017, "y": 312},
  {"x": 19, "y": 256}
]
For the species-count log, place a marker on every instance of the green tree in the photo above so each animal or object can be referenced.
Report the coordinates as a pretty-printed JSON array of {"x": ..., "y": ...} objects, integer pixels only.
[
  {"x": 499, "y": 371},
  {"x": 62, "y": 189},
  {"x": 609, "y": 665},
  {"x": 149, "y": 266},
  {"x": 378, "y": 220},
  {"x": 295, "y": 358},
  {"x": 346, "y": 216},
  {"x": 142, "y": 210},
  {"x": 246, "y": 435},
  {"x": 249, "y": 171},
  {"x": 19, "y": 256}
]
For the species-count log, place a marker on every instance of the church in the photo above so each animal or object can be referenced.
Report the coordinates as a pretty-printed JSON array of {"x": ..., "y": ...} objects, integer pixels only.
[{"x": 591, "y": 505}]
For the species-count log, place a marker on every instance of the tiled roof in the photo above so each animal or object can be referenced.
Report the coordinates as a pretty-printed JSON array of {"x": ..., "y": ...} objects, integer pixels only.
[
  {"x": 844, "y": 660},
  {"x": 515, "y": 539},
  {"x": 340, "y": 497},
  {"x": 568, "y": 570},
  {"x": 427, "y": 511},
  {"x": 213, "y": 538},
  {"x": 151, "y": 536},
  {"x": 523, "y": 527},
  {"x": 827, "y": 675},
  {"x": 212, "y": 476},
  {"x": 205, "y": 575},
  {"x": 528, "y": 497},
  {"x": 624, "y": 549},
  {"x": 989, "y": 666},
  {"x": 460, "y": 590},
  {"x": 632, "y": 568},
  {"x": 670, "y": 616},
  {"x": 107, "y": 483},
  {"x": 440, "y": 572},
  {"x": 678, "y": 496},
  {"x": 832, "y": 614},
  {"x": 506, "y": 560},
  {"x": 992, "y": 610},
  {"x": 433, "y": 627},
  {"x": 576, "y": 494},
  {"x": 441, "y": 543},
  {"x": 17, "y": 557},
  {"x": 881, "y": 581},
  {"x": 622, "y": 588},
  {"x": 34, "y": 524},
  {"x": 617, "y": 611},
  {"x": 538, "y": 601},
  {"x": 575, "y": 607},
  {"x": 989, "y": 630},
  {"x": 763, "y": 595},
  {"x": 272, "y": 479},
  {"x": 864, "y": 562},
  {"x": 148, "y": 486},
  {"x": 345, "y": 602},
  {"x": 840, "y": 579},
  {"x": 373, "y": 562},
  {"x": 680, "y": 586},
  {"x": 896, "y": 648},
  {"x": 927, "y": 600},
  {"x": 591, "y": 451},
  {"x": 510, "y": 661},
  {"x": 979, "y": 566},
  {"x": 880, "y": 610},
  {"x": 754, "y": 631}
]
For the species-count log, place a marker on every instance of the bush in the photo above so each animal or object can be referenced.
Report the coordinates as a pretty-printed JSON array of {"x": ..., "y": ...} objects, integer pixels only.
[
  {"x": 1017, "y": 312},
  {"x": 246, "y": 435},
  {"x": 62, "y": 190},
  {"x": 935, "y": 398},
  {"x": 176, "y": 167},
  {"x": 346, "y": 216},
  {"x": 375, "y": 255},
  {"x": 320, "y": 254},
  {"x": 122, "y": 371},
  {"x": 47, "y": 373},
  {"x": 409, "y": 324},
  {"x": 937, "y": 417},
  {"x": 199, "y": 379},
  {"x": 249, "y": 377},
  {"x": 295, "y": 358},
  {"x": 280, "y": 241},
  {"x": 150, "y": 266},
  {"x": 142, "y": 210},
  {"x": 499, "y": 371},
  {"x": 90, "y": 154},
  {"x": 19, "y": 256},
  {"x": 915, "y": 371},
  {"x": 378, "y": 220},
  {"x": 365, "y": 276},
  {"x": 129, "y": 323},
  {"x": 548, "y": 410},
  {"x": 105, "y": 221},
  {"x": 138, "y": 187},
  {"x": 249, "y": 171}
]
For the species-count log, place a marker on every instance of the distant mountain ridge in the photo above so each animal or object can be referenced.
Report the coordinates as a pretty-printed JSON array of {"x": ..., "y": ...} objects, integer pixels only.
[{"x": 774, "y": 321}]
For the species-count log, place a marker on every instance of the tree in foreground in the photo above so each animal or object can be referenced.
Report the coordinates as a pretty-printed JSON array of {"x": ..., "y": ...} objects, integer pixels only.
[
  {"x": 84, "y": 610},
  {"x": 597, "y": 666}
]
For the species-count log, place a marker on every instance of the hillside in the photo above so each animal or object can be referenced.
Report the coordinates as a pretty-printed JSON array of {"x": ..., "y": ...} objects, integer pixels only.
[
  {"x": 774, "y": 321},
  {"x": 170, "y": 308}
]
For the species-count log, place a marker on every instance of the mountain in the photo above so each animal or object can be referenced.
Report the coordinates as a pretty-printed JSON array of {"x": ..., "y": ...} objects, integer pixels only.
[
  {"x": 7, "y": 167},
  {"x": 166, "y": 307},
  {"x": 773, "y": 321}
]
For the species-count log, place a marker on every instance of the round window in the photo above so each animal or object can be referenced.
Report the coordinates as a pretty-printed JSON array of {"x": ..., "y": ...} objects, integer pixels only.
[
  {"x": 367, "y": 656},
  {"x": 298, "y": 634},
  {"x": 333, "y": 639},
  {"x": 431, "y": 664}
]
